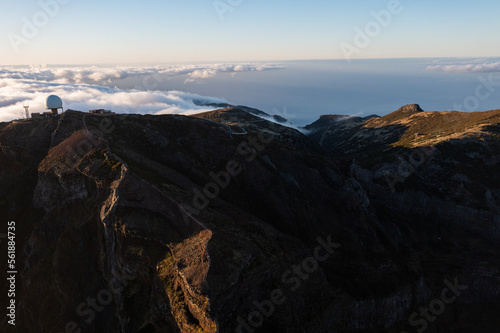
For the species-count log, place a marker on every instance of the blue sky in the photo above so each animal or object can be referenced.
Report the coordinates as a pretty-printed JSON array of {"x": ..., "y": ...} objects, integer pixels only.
[{"x": 163, "y": 31}]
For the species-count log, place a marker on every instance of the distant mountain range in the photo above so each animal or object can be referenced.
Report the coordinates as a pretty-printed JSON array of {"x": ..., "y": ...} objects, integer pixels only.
[{"x": 228, "y": 222}]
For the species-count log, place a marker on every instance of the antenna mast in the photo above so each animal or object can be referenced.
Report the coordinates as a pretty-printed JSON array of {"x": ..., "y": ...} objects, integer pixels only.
[{"x": 26, "y": 107}]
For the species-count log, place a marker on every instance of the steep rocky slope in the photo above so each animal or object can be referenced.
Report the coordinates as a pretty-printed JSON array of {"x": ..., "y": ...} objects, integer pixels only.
[{"x": 130, "y": 223}]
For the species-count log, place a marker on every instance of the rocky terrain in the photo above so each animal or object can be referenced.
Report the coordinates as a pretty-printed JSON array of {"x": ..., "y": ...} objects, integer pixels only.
[{"x": 228, "y": 222}]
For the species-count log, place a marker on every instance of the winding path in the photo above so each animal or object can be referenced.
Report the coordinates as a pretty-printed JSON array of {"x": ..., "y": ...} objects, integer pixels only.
[{"x": 84, "y": 124}]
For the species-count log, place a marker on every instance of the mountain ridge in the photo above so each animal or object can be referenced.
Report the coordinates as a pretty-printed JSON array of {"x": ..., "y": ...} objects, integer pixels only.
[{"x": 199, "y": 223}]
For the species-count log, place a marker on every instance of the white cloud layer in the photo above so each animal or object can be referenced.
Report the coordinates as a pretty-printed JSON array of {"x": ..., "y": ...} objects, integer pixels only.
[
  {"x": 15, "y": 93},
  {"x": 106, "y": 75},
  {"x": 467, "y": 68},
  {"x": 81, "y": 88}
]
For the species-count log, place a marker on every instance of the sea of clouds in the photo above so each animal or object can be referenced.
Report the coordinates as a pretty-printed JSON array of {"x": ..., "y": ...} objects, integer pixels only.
[
  {"x": 477, "y": 66},
  {"x": 85, "y": 88}
]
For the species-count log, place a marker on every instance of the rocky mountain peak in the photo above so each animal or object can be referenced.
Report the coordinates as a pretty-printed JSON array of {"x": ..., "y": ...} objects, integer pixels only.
[{"x": 410, "y": 108}]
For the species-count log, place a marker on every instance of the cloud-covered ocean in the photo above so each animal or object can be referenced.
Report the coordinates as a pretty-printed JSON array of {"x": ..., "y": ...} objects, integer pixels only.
[{"x": 300, "y": 91}]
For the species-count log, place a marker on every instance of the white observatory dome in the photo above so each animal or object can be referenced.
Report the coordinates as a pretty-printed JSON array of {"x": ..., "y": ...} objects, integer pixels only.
[{"x": 53, "y": 102}]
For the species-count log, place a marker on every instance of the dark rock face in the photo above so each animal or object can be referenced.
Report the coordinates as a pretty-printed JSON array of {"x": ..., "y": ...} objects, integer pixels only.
[{"x": 180, "y": 224}]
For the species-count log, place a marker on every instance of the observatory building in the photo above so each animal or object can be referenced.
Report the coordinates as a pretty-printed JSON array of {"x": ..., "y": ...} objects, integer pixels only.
[{"x": 53, "y": 103}]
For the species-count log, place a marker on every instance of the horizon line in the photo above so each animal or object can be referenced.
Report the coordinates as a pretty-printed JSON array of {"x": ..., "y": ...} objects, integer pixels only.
[{"x": 238, "y": 61}]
